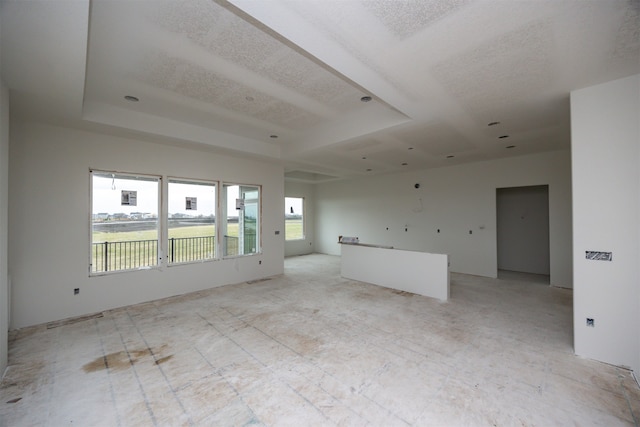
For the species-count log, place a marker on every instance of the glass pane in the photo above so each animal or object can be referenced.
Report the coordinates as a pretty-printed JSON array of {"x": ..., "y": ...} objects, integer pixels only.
[
  {"x": 250, "y": 227},
  {"x": 124, "y": 225},
  {"x": 249, "y": 219},
  {"x": 250, "y": 192},
  {"x": 241, "y": 225},
  {"x": 294, "y": 219},
  {"x": 229, "y": 227},
  {"x": 191, "y": 221}
]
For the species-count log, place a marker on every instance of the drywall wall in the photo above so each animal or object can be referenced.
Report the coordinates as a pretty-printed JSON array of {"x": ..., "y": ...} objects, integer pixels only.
[
  {"x": 4, "y": 230},
  {"x": 457, "y": 200},
  {"x": 606, "y": 196},
  {"x": 523, "y": 229},
  {"x": 420, "y": 273},
  {"x": 49, "y": 221},
  {"x": 307, "y": 192}
]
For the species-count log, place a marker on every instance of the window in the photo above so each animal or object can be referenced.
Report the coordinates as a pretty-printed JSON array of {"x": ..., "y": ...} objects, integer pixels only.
[
  {"x": 124, "y": 221},
  {"x": 293, "y": 218},
  {"x": 240, "y": 227},
  {"x": 191, "y": 221},
  {"x": 126, "y": 230}
]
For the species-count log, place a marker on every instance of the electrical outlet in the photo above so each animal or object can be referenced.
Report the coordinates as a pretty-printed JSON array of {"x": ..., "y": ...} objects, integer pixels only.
[
  {"x": 590, "y": 322},
  {"x": 76, "y": 291}
]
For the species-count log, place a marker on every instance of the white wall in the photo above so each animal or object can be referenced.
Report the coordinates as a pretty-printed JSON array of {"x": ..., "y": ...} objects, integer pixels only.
[
  {"x": 420, "y": 273},
  {"x": 455, "y": 200},
  {"x": 49, "y": 221},
  {"x": 606, "y": 195},
  {"x": 4, "y": 203},
  {"x": 523, "y": 229},
  {"x": 306, "y": 191}
]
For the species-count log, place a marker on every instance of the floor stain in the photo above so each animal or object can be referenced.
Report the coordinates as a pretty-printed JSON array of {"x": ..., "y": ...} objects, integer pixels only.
[
  {"x": 364, "y": 295},
  {"x": 164, "y": 359},
  {"x": 8, "y": 385},
  {"x": 404, "y": 293},
  {"x": 73, "y": 320},
  {"x": 302, "y": 344},
  {"x": 121, "y": 360}
]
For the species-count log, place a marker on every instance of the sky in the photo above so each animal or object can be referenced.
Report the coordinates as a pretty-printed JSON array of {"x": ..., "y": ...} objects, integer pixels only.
[
  {"x": 205, "y": 194},
  {"x": 107, "y": 199},
  {"x": 294, "y": 202},
  {"x": 107, "y": 192}
]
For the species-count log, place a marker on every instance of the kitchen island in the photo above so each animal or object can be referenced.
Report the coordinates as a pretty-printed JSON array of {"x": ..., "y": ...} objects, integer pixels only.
[{"x": 420, "y": 273}]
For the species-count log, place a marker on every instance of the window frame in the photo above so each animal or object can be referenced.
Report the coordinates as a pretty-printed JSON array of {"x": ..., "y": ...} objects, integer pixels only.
[
  {"x": 224, "y": 208},
  {"x": 304, "y": 222},
  {"x": 165, "y": 216},
  {"x": 162, "y": 219},
  {"x": 158, "y": 179}
]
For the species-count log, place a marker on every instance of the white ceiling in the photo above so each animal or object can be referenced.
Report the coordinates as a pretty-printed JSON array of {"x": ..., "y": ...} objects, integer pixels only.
[{"x": 230, "y": 74}]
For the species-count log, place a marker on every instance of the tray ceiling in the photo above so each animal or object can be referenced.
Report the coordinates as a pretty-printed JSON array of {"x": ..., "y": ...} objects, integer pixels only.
[{"x": 285, "y": 79}]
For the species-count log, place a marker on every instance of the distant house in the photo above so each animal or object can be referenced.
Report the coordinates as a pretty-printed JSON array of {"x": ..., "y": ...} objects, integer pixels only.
[{"x": 119, "y": 216}]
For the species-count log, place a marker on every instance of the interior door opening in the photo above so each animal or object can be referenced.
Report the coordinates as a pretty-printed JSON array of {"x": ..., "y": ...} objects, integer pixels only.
[{"x": 523, "y": 233}]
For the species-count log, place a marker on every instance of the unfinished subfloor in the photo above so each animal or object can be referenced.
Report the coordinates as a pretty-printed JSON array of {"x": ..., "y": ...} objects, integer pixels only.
[{"x": 310, "y": 348}]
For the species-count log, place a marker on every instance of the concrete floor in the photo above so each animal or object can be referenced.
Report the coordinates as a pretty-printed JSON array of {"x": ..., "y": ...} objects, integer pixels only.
[{"x": 310, "y": 348}]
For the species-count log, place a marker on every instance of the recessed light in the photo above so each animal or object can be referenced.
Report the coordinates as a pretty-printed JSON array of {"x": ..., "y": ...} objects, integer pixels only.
[
  {"x": 405, "y": 164},
  {"x": 273, "y": 136},
  {"x": 366, "y": 99},
  {"x": 493, "y": 123},
  {"x": 131, "y": 98},
  {"x": 450, "y": 156},
  {"x": 510, "y": 146}
]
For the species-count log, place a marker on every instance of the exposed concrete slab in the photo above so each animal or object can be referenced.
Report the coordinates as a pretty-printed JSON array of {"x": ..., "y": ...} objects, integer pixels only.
[{"x": 312, "y": 348}]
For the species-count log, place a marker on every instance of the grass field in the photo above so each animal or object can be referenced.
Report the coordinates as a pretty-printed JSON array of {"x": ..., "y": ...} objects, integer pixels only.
[
  {"x": 126, "y": 256},
  {"x": 177, "y": 232},
  {"x": 293, "y": 231}
]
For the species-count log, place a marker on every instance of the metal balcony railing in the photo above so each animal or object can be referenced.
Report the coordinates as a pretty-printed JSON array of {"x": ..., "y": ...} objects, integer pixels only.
[
  {"x": 112, "y": 256},
  {"x": 186, "y": 249},
  {"x": 231, "y": 247},
  {"x": 134, "y": 254}
]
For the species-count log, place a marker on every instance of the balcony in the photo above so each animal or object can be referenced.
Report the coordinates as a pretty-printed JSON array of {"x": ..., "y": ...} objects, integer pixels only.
[{"x": 137, "y": 254}]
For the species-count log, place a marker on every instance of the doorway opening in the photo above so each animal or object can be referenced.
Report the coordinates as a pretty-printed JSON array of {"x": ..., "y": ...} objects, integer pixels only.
[{"x": 523, "y": 233}]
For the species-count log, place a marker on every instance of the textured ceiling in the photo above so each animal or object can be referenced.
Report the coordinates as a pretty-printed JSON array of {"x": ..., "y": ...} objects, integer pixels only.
[{"x": 283, "y": 79}]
